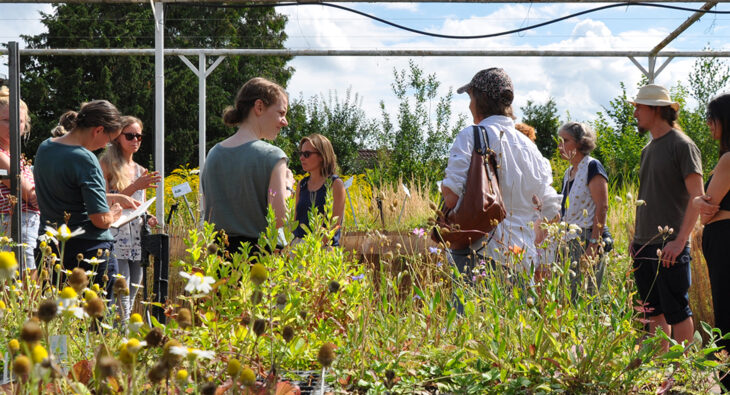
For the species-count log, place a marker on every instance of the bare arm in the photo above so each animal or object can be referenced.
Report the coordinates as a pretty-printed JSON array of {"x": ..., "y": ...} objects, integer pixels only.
[
  {"x": 598, "y": 187},
  {"x": 693, "y": 183},
  {"x": 105, "y": 220},
  {"x": 709, "y": 204},
  {"x": 277, "y": 191},
  {"x": 450, "y": 198},
  {"x": 338, "y": 204},
  {"x": 26, "y": 189}
]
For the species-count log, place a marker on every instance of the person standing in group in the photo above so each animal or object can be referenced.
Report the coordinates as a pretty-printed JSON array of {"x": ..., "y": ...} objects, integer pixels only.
[
  {"x": 319, "y": 160},
  {"x": 123, "y": 175},
  {"x": 670, "y": 176},
  {"x": 525, "y": 177},
  {"x": 715, "y": 215},
  {"x": 71, "y": 189},
  {"x": 31, "y": 214},
  {"x": 585, "y": 201},
  {"x": 243, "y": 174}
]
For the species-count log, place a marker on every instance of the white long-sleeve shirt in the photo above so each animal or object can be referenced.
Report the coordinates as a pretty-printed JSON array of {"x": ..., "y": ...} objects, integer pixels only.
[{"x": 523, "y": 174}]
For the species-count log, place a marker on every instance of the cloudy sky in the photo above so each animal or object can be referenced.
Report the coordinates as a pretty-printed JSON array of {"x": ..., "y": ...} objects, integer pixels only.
[{"x": 580, "y": 86}]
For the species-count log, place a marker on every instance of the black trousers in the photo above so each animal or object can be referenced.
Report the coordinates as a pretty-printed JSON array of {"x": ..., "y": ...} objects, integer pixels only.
[{"x": 716, "y": 250}]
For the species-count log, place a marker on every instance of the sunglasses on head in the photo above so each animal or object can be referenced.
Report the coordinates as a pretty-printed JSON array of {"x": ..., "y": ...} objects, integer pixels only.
[
  {"x": 307, "y": 154},
  {"x": 132, "y": 136}
]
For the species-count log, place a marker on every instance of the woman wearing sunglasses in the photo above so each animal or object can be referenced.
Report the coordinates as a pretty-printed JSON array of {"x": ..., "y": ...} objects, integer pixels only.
[
  {"x": 123, "y": 175},
  {"x": 244, "y": 174},
  {"x": 319, "y": 160}
]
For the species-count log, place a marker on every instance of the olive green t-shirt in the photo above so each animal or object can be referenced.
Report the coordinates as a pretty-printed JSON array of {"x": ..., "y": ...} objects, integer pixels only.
[
  {"x": 665, "y": 163},
  {"x": 235, "y": 184}
]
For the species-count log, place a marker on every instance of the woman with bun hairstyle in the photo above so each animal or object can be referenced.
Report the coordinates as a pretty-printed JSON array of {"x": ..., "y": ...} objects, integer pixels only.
[
  {"x": 31, "y": 214},
  {"x": 71, "y": 189},
  {"x": 243, "y": 174},
  {"x": 124, "y": 175}
]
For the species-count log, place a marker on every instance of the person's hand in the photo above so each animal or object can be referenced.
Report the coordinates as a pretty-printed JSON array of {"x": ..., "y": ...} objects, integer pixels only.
[
  {"x": 671, "y": 251},
  {"x": 152, "y": 221},
  {"x": 116, "y": 211},
  {"x": 148, "y": 179},
  {"x": 123, "y": 200},
  {"x": 707, "y": 209}
]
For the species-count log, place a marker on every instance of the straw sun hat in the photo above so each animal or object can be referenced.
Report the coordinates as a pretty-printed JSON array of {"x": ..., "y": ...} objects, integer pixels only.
[{"x": 655, "y": 95}]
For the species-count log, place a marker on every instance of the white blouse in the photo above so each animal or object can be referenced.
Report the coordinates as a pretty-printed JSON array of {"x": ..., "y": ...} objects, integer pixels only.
[{"x": 525, "y": 177}]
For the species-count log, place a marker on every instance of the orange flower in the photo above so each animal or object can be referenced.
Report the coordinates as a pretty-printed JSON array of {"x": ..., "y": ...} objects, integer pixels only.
[{"x": 516, "y": 250}]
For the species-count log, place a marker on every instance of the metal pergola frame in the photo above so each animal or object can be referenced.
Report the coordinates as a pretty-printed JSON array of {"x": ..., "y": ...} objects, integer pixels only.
[{"x": 651, "y": 71}]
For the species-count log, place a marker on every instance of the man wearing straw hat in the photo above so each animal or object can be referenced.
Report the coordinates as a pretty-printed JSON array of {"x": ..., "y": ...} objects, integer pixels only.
[{"x": 670, "y": 176}]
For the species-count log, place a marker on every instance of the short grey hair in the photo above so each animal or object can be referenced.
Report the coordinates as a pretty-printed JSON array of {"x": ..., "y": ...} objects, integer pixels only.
[{"x": 583, "y": 135}]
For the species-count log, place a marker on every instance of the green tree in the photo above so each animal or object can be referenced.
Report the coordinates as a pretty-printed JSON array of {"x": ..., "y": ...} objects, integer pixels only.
[
  {"x": 544, "y": 118},
  {"x": 52, "y": 85},
  {"x": 343, "y": 122},
  {"x": 417, "y": 145},
  {"x": 619, "y": 144}
]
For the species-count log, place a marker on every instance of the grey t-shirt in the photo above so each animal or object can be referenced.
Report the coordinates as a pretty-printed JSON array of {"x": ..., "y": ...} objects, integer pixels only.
[
  {"x": 665, "y": 163},
  {"x": 68, "y": 179},
  {"x": 235, "y": 184}
]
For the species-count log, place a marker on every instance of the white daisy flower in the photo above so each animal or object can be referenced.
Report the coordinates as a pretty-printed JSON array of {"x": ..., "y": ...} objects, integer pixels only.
[
  {"x": 197, "y": 283},
  {"x": 193, "y": 353},
  {"x": 93, "y": 261},
  {"x": 63, "y": 233}
]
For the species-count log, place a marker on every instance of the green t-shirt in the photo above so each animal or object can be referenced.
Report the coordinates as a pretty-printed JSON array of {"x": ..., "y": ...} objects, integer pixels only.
[
  {"x": 68, "y": 179},
  {"x": 235, "y": 182},
  {"x": 665, "y": 163}
]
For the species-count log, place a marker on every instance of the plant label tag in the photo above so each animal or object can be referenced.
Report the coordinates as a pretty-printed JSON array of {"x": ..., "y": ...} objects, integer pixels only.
[
  {"x": 59, "y": 349},
  {"x": 348, "y": 183},
  {"x": 181, "y": 190},
  {"x": 6, "y": 369},
  {"x": 405, "y": 189}
]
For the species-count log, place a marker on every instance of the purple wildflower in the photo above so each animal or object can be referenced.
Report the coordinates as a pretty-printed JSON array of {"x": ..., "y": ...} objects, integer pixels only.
[{"x": 420, "y": 232}]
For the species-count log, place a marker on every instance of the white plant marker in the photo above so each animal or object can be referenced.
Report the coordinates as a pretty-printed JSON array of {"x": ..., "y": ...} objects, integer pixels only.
[
  {"x": 403, "y": 207},
  {"x": 182, "y": 190}
]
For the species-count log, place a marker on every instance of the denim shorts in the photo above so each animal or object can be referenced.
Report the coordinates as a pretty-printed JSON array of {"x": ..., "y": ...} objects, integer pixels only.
[{"x": 663, "y": 289}]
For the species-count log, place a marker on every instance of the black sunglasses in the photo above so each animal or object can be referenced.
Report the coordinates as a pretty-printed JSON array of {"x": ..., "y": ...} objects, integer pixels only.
[
  {"x": 132, "y": 136},
  {"x": 307, "y": 154}
]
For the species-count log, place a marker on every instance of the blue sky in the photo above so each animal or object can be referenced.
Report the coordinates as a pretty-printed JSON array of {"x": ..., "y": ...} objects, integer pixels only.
[{"x": 580, "y": 86}]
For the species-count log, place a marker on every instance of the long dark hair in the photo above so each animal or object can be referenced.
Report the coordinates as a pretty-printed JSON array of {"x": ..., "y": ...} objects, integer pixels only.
[{"x": 718, "y": 109}]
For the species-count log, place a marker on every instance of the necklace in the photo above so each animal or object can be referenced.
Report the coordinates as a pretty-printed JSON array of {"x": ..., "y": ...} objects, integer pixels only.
[{"x": 312, "y": 196}]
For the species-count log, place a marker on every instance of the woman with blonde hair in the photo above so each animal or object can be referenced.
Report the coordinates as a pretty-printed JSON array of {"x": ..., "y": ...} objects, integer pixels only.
[
  {"x": 243, "y": 174},
  {"x": 31, "y": 214},
  {"x": 123, "y": 175},
  {"x": 319, "y": 160}
]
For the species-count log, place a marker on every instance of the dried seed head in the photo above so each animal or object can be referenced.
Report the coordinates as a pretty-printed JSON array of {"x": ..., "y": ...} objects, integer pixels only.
[
  {"x": 259, "y": 326},
  {"x": 47, "y": 310},
  {"x": 79, "y": 257},
  {"x": 99, "y": 252},
  {"x": 258, "y": 274},
  {"x": 287, "y": 333},
  {"x": 104, "y": 278},
  {"x": 234, "y": 368},
  {"x": 212, "y": 248},
  {"x": 184, "y": 318},
  {"x": 281, "y": 300},
  {"x": 158, "y": 372},
  {"x": 333, "y": 286},
  {"x": 31, "y": 332},
  {"x": 108, "y": 366},
  {"x": 256, "y": 297},
  {"x": 120, "y": 287},
  {"x": 326, "y": 355},
  {"x": 208, "y": 388},
  {"x": 78, "y": 280},
  {"x": 154, "y": 337},
  {"x": 95, "y": 307},
  {"x": 248, "y": 377},
  {"x": 168, "y": 357},
  {"x": 246, "y": 319},
  {"x": 432, "y": 206},
  {"x": 21, "y": 366}
]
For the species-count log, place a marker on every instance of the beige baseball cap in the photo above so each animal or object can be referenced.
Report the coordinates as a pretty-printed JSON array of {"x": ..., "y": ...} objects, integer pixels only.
[{"x": 655, "y": 95}]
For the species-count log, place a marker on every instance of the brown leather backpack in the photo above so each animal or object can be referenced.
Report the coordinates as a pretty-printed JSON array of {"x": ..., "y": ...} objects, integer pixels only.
[{"x": 481, "y": 208}]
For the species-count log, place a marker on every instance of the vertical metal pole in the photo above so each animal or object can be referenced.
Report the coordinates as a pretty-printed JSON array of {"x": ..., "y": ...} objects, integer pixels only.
[
  {"x": 202, "y": 76},
  {"x": 15, "y": 171},
  {"x": 160, "y": 108}
]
